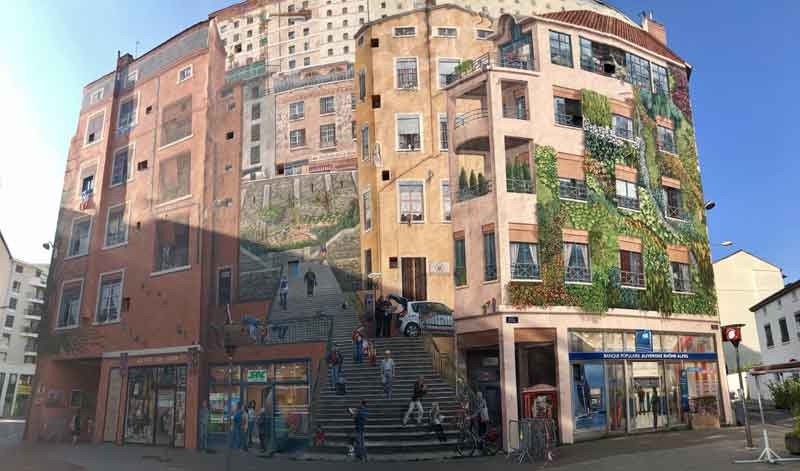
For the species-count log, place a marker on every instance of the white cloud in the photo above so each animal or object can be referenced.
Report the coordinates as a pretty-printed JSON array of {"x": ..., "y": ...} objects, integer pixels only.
[{"x": 31, "y": 172}]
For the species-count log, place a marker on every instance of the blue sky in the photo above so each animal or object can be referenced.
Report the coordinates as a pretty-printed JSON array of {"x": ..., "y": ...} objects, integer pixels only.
[{"x": 745, "y": 66}]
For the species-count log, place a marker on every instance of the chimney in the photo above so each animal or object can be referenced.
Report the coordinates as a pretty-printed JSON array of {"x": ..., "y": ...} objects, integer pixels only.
[
  {"x": 655, "y": 28},
  {"x": 123, "y": 60}
]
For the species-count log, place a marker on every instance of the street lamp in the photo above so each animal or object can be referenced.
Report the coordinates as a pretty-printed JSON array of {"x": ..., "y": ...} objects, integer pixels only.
[
  {"x": 710, "y": 204},
  {"x": 733, "y": 334},
  {"x": 727, "y": 243}
]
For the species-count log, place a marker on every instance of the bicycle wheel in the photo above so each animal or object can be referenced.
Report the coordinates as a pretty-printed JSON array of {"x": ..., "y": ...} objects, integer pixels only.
[
  {"x": 490, "y": 448},
  {"x": 466, "y": 444}
]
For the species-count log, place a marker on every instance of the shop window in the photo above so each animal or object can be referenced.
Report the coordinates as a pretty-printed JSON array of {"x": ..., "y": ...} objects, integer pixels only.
[
  {"x": 176, "y": 121},
  {"x": 612, "y": 342},
  {"x": 588, "y": 395},
  {"x": 581, "y": 342},
  {"x": 172, "y": 243},
  {"x": 156, "y": 406},
  {"x": 174, "y": 177}
]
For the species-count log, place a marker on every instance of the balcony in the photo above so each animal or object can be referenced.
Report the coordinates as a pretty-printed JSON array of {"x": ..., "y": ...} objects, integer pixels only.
[
  {"x": 471, "y": 131},
  {"x": 35, "y": 296},
  {"x": 572, "y": 190},
  {"x": 519, "y": 185},
  {"x": 39, "y": 282},
  {"x": 578, "y": 274},
  {"x": 30, "y": 331},
  {"x": 34, "y": 313},
  {"x": 628, "y": 203},
  {"x": 487, "y": 62},
  {"x": 571, "y": 120},
  {"x": 525, "y": 271},
  {"x": 632, "y": 279},
  {"x": 290, "y": 83},
  {"x": 467, "y": 193}
]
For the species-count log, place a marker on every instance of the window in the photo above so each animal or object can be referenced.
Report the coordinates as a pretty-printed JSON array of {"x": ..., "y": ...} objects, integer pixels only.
[
  {"x": 255, "y": 155},
  {"x": 447, "y": 69},
  {"x": 572, "y": 189},
  {"x": 87, "y": 183},
  {"x": 489, "y": 257},
  {"x": 666, "y": 140},
  {"x": 412, "y": 208},
  {"x": 568, "y": 112},
  {"x": 70, "y": 304},
  {"x": 483, "y": 33},
  {"x": 19, "y": 268},
  {"x": 29, "y": 359},
  {"x": 94, "y": 128},
  {"x": 174, "y": 177},
  {"x": 768, "y": 335},
  {"x": 297, "y": 138},
  {"x": 447, "y": 205},
  {"x": 172, "y": 243},
  {"x": 405, "y": 31},
  {"x": 306, "y": 61},
  {"x": 185, "y": 74},
  {"x": 631, "y": 269},
  {"x": 235, "y": 24},
  {"x": 249, "y": 33},
  {"x": 292, "y": 64},
  {"x": 408, "y": 133},
  {"x": 224, "y": 287},
  {"x": 326, "y": 105},
  {"x": 576, "y": 263},
  {"x": 362, "y": 84},
  {"x": 638, "y": 71},
  {"x": 290, "y": 35},
  {"x": 660, "y": 80},
  {"x": 327, "y": 135},
  {"x": 12, "y": 303},
  {"x": 560, "y": 49},
  {"x": 674, "y": 203},
  {"x": 255, "y": 132},
  {"x": 127, "y": 113},
  {"x": 329, "y": 13},
  {"x": 176, "y": 121},
  {"x": 406, "y": 71},
  {"x": 255, "y": 111},
  {"x": 297, "y": 110},
  {"x": 627, "y": 195},
  {"x": 236, "y": 38},
  {"x": 109, "y": 298},
  {"x": 116, "y": 226},
  {"x": 330, "y": 25},
  {"x": 344, "y": 11},
  {"x": 330, "y": 52},
  {"x": 443, "y": 132},
  {"x": 446, "y": 32},
  {"x": 784, "y": 330},
  {"x": 291, "y": 49},
  {"x": 15, "y": 286},
  {"x": 524, "y": 261},
  {"x": 623, "y": 126},
  {"x": 365, "y": 142},
  {"x": 797, "y": 323},
  {"x": 79, "y": 239},
  {"x": 681, "y": 278},
  {"x": 5, "y": 341},
  {"x": 120, "y": 167},
  {"x": 460, "y": 271},
  {"x": 96, "y": 96},
  {"x": 345, "y": 37},
  {"x": 367, "y": 210},
  {"x": 353, "y": 102}
]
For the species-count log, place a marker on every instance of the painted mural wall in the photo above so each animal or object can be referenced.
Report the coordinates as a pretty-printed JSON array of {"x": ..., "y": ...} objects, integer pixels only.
[
  {"x": 604, "y": 221},
  {"x": 312, "y": 217}
]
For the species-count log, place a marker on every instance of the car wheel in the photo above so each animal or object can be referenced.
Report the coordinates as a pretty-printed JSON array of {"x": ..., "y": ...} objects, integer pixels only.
[{"x": 412, "y": 330}]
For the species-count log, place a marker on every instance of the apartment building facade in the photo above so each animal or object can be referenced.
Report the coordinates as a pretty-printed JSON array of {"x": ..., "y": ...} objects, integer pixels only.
[
  {"x": 777, "y": 319},
  {"x": 577, "y": 263},
  {"x": 402, "y": 137}
]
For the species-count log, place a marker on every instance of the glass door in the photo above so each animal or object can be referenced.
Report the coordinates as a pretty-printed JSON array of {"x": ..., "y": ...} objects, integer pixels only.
[
  {"x": 676, "y": 390},
  {"x": 646, "y": 389},
  {"x": 617, "y": 414},
  {"x": 165, "y": 405},
  {"x": 588, "y": 393}
]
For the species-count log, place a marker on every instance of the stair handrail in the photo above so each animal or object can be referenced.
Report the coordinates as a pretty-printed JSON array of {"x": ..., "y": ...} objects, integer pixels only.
[
  {"x": 315, "y": 388},
  {"x": 445, "y": 366}
]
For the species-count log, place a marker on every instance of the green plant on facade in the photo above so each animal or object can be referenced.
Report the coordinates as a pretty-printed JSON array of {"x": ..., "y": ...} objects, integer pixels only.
[{"x": 604, "y": 221}]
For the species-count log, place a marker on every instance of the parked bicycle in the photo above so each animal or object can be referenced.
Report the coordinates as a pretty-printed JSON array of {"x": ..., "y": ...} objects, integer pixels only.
[{"x": 470, "y": 441}]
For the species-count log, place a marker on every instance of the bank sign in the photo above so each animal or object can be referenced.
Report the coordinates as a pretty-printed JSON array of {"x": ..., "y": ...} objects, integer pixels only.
[{"x": 704, "y": 356}]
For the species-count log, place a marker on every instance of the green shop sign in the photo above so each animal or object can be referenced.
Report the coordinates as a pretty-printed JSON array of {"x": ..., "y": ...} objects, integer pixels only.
[{"x": 256, "y": 376}]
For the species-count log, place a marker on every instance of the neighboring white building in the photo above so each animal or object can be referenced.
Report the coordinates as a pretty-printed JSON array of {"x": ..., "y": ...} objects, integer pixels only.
[
  {"x": 778, "y": 324},
  {"x": 741, "y": 280},
  {"x": 22, "y": 289}
]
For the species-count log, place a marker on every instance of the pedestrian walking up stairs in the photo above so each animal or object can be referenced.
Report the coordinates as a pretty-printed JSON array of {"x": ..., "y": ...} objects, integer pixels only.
[{"x": 385, "y": 435}]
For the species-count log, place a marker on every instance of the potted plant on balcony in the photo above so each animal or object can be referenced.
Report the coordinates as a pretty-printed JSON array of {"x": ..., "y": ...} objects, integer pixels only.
[{"x": 793, "y": 437}]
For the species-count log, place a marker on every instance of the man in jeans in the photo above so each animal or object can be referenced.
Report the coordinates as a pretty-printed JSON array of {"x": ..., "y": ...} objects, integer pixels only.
[
  {"x": 360, "y": 419},
  {"x": 387, "y": 374},
  {"x": 416, "y": 401},
  {"x": 334, "y": 366},
  {"x": 202, "y": 422}
]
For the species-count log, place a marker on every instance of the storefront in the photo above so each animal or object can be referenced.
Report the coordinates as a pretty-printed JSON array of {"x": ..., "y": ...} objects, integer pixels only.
[
  {"x": 281, "y": 388},
  {"x": 633, "y": 381},
  {"x": 155, "y": 412}
]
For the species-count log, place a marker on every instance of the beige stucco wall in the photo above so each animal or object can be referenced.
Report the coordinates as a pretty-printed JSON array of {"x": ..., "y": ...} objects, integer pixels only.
[{"x": 742, "y": 280}]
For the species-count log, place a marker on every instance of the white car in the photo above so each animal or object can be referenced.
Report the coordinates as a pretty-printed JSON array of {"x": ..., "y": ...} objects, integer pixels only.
[{"x": 417, "y": 316}]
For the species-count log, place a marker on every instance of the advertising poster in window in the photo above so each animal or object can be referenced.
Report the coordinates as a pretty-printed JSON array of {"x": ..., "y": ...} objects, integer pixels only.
[{"x": 588, "y": 396}]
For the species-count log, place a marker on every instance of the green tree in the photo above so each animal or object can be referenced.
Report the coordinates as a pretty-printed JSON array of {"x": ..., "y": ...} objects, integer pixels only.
[
  {"x": 473, "y": 181},
  {"x": 483, "y": 184},
  {"x": 462, "y": 180}
]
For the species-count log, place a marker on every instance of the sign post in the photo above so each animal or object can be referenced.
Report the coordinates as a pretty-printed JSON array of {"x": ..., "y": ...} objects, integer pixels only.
[{"x": 733, "y": 334}]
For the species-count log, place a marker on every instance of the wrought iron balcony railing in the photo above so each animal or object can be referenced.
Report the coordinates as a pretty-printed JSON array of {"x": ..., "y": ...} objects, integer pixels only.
[
  {"x": 573, "y": 190},
  {"x": 627, "y": 202},
  {"x": 465, "y": 194},
  {"x": 525, "y": 271},
  {"x": 469, "y": 116},
  {"x": 632, "y": 278},
  {"x": 519, "y": 185},
  {"x": 578, "y": 274},
  {"x": 487, "y": 61},
  {"x": 565, "y": 119}
]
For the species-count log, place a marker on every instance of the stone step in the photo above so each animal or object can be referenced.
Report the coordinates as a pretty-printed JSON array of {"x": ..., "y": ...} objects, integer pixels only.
[{"x": 390, "y": 446}]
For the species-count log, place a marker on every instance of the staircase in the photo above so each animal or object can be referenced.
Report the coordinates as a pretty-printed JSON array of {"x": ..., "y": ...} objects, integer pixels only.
[{"x": 385, "y": 435}]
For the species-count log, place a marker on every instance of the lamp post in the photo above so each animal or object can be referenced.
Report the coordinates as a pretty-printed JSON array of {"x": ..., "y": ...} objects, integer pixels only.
[
  {"x": 230, "y": 350},
  {"x": 733, "y": 334}
]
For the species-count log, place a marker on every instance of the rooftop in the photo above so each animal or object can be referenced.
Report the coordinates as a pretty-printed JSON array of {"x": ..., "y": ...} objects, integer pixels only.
[{"x": 778, "y": 294}]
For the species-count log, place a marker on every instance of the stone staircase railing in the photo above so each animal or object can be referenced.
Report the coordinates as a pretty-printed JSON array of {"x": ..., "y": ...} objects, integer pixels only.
[{"x": 444, "y": 365}]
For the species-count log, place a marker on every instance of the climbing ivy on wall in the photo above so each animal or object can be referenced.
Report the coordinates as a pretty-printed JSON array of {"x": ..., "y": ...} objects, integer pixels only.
[{"x": 604, "y": 221}]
